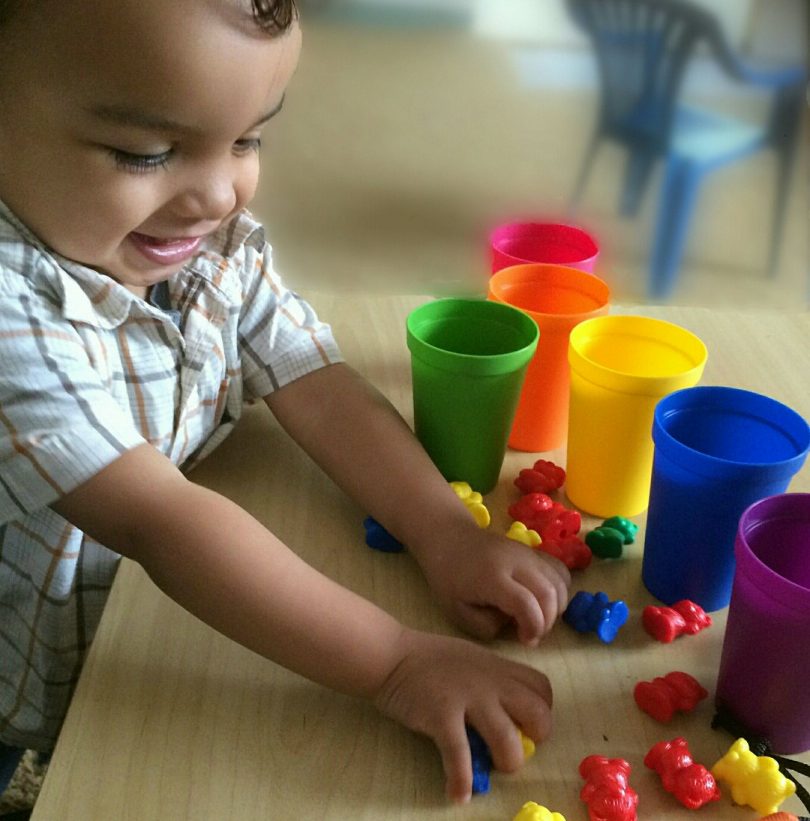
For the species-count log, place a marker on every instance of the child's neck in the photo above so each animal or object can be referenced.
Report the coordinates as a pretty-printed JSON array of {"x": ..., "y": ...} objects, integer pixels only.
[{"x": 139, "y": 290}]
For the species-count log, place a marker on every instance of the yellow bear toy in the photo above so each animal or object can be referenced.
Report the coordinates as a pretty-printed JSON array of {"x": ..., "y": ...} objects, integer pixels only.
[
  {"x": 520, "y": 533},
  {"x": 534, "y": 812},
  {"x": 755, "y": 780},
  {"x": 474, "y": 502}
]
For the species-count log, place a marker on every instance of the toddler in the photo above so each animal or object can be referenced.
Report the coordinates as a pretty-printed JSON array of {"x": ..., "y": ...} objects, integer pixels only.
[{"x": 139, "y": 309}]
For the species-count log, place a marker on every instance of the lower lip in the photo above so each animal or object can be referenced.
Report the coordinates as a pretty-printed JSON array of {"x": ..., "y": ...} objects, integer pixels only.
[{"x": 165, "y": 252}]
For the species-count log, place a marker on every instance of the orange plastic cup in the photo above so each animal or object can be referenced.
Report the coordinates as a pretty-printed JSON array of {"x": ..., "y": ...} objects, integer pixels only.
[{"x": 557, "y": 298}]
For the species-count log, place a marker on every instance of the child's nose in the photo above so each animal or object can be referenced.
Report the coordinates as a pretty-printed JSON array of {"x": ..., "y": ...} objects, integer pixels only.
[{"x": 208, "y": 196}]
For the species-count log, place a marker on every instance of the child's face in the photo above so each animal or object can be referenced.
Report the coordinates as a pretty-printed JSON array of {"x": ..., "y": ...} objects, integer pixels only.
[{"x": 129, "y": 128}]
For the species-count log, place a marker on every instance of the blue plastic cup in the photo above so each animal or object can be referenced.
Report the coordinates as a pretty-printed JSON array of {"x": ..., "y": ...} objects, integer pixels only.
[{"x": 717, "y": 451}]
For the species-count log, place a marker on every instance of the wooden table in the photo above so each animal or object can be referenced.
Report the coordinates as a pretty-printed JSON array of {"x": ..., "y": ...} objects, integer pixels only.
[{"x": 172, "y": 721}]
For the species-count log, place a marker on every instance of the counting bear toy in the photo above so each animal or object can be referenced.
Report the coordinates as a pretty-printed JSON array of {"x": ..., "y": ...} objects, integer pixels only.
[
  {"x": 557, "y": 525},
  {"x": 588, "y": 612},
  {"x": 691, "y": 783},
  {"x": 607, "y": 541},
  {"x": 473, "y": 501},
  {"x": 755, "y": 779},
  {"x": 482, "y": 758},
  {"x": 667, "y": 623},
  {"x": 661, "y": 697},
  {"x": 607, "y": 790},
  {"x": 542, "y": 477},
  {"x": 534, "y": 812}
]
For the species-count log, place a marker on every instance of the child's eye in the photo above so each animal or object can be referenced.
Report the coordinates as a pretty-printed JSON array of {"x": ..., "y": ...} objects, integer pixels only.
[
  {"x": 139, "y": 163},
  {"x": 248, "y": 144}
]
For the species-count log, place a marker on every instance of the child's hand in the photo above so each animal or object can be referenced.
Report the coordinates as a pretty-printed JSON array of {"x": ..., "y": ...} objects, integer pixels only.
[
  {"x": 484, "y": 581},
  {"x": 443, "y": 683}
]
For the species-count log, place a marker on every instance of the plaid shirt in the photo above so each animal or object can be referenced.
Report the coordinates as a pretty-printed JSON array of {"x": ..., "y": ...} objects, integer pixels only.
[{"x": 87, "y": 371}]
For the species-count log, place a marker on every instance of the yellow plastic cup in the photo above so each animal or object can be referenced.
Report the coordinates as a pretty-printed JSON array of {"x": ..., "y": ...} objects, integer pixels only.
[{"x": 621, "y": 366}]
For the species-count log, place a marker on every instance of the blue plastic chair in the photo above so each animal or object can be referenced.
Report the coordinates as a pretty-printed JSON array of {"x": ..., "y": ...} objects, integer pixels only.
[{"x": 642, "y": 48}]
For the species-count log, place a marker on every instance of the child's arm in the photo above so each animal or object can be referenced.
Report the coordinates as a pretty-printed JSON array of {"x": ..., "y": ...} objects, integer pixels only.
[
  {"x": 481, "y": 579},
  {"x": 222, "y": 565}
]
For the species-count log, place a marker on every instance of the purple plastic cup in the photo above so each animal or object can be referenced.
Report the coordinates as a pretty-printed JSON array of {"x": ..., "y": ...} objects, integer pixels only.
[
  {"x": 520, "y": 243},
  {"x": 764, "y": 678}
]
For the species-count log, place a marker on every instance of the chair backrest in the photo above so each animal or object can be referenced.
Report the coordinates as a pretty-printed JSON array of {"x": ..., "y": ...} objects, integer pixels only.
[{"x": 642, "y": 48}]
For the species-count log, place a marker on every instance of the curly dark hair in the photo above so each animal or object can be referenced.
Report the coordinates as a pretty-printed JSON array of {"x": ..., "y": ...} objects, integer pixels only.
[{"x": 272, "y": 16}]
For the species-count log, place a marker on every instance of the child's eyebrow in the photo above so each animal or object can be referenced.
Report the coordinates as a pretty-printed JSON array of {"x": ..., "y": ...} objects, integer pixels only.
[{"x": 122, "y": 115}]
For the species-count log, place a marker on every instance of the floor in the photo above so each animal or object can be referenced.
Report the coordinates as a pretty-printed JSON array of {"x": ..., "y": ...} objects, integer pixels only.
[{"x": 399, "y": 147}]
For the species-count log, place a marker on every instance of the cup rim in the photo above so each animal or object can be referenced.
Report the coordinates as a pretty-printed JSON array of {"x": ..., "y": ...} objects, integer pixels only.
[
  {"x": 708, "y": 463},
  {"x": 566, "y": 277},
  {"x": 789, "y": 591},
  {"x": 481, "y": 364},
  {"x": 622, "y": 381},
  {"x": 507, "y": 230}
]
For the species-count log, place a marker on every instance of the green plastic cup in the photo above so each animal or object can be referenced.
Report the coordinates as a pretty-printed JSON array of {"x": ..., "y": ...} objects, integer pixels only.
[{"x": 469, "y": 359}]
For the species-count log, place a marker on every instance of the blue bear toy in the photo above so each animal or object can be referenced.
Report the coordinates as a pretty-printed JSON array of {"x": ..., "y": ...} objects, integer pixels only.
[
  {"x": 378, "y": 538},
  {"x": 481, "y": 761},
  {"x": 594, "y": 612}
]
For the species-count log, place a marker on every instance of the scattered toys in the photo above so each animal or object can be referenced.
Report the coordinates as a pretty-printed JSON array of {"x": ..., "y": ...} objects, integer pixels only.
[
  {"x": 474, "y": 502},
  {"x": 549, "y": 518},
  {"x": 691, "y": 783},
  {"x": 542, "y": 477},
  {"x": 663, "y": 696},
  {"x": 607, "y": 790},
  {"x": 594, "y": 612},
  {"x": 755, "y": 780},
  {"x": 520, "y": 533},
  {"x": 667, "y": 623},
  {"x": 557, "y": 527},
  {"x": 531, "y": 811},
  {"x": 378, "y": 538}
]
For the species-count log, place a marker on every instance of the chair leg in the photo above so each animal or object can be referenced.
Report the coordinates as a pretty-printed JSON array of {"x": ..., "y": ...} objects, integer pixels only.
[
  {"x": 637, "y": 174},
  {"x": 786, "y": 128},
  {"x": 584, "y": 173},
  {"x": 777, "y": 223},
  {"x": 678, "y": 194}
]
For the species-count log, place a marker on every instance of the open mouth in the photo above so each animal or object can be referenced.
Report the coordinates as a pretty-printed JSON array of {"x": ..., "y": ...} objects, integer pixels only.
[{"x": 165, "y": 250}]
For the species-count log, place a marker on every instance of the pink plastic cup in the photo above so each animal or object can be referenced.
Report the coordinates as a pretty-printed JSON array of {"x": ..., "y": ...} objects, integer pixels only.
[
  {"x": 764, "y": 678},
  {"x": 519, "y": 243}
]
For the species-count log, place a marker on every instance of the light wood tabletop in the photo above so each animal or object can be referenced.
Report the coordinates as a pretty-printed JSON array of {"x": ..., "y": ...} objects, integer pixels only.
[{"x": 172, "y": 721}]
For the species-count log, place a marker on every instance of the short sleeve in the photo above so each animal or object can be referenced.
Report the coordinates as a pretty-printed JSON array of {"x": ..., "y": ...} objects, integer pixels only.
[
  {"x": 59, "y": 425},
  {"x": 280, "y": 336}
]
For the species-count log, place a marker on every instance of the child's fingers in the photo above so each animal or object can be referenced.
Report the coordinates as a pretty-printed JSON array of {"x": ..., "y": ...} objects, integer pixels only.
[
  {"x": 549, "y": 587},
  {"x": 481, "y": 621},
  {"x": 502, "y": 737},
  {"x": 522, "y": 604},
  {"x": 530, "y": 706},
  {"x": 559, "y": 575},
  {"x": 454, "y": 748}
]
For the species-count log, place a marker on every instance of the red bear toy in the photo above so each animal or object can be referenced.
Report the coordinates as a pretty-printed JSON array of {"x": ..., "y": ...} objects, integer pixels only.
[
  {"x": 542, "y": 477},
  {"x": 667, "y": 623},
  {"x": 607, "y": 790},
  {"x": 553, "y": 521},
  {"x": 661, "y": 697},
  {"x": 691, "y": 783}
]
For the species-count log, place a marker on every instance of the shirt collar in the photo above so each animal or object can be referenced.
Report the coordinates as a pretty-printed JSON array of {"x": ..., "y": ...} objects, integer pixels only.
[{"x": 96, "y": 299}]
